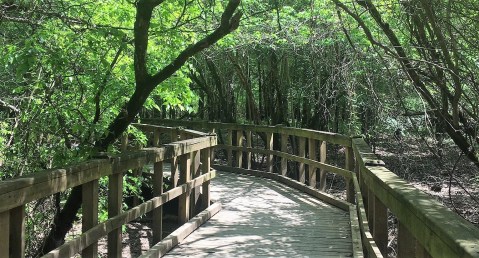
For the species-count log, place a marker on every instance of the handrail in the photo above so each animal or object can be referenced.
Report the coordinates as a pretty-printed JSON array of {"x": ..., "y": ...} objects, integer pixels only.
[
  {"x": 193, "y": 155},
  {"x": 425, "y": 227}
]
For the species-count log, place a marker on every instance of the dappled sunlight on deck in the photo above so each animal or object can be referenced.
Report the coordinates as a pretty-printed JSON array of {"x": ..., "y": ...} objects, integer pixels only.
[{"x": 261, "y": 217}]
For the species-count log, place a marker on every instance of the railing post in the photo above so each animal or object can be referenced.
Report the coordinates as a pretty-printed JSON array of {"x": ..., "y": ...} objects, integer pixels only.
[
  {"x": 174, "y": 162},
  {"x": 17, "y": 232},
  {"x": 5, "y": 234},
  {"x": 205, "y": 167},
  {"x": 322, "y": 172},
  {"x": 406, "y": 242},
  {"x": 184, "y": 199},
  {"x": 195, "y": 192},
  {"x": 157, "y": 224},
  {"x": 229, "y": 150},
  {"x": 248, "y": 153},
  {"x": 239, "y": 153},
  {"x": 349, "y": 182},
  {"x": 156, "y": 138},
  {"x": 302, "y": 154},
  {"x": 380, "y": 227},
  {"x": 312, "y": 156},
  {"x": 284, "y": 149},
  {"x": 90, "y": 214},
  {"x": 115, "y": 202},
  {"x": 269, "y": 146}
]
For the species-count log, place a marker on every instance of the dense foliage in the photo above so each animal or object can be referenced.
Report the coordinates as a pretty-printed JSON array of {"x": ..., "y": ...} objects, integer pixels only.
[{"x": 75, "y": 74}]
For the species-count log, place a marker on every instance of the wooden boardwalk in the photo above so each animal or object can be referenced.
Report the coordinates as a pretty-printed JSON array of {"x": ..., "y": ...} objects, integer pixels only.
[{"x": 263, "y": 218}]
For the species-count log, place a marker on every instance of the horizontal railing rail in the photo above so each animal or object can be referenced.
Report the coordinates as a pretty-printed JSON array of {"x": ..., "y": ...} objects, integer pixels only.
[
  {"x": 425, "y": 227},
  {"x": 191, "y": 166}
]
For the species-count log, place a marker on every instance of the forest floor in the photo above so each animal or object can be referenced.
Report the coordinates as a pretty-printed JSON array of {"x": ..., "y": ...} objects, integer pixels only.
[{"x": 450, "y": 179}]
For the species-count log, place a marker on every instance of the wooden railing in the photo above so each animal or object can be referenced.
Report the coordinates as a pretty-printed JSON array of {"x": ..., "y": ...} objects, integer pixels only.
[
  {"x": 426, "y": 228},
  {"x": 189, "y": 176}
]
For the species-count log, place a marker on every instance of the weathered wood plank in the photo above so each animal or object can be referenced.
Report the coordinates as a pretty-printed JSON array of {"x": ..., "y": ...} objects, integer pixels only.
[
  {"x": 17, "y": 232},
  {"x": 284, "y": 149}
]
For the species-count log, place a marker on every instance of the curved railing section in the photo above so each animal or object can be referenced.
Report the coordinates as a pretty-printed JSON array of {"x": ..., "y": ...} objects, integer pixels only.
[
  {"x": 425, "y": 227},
  {"x": 188, "y": 152}
]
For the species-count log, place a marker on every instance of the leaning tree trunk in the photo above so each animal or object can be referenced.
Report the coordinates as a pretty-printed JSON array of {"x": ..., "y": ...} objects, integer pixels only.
[{"x": 145, "y": 84}]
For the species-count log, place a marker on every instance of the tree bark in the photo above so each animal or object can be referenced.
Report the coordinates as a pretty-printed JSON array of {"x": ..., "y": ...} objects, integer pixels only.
[{"x": 145, "y": 84}]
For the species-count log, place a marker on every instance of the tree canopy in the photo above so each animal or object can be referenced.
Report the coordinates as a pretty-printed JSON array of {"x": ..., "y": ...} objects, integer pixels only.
[{"x": 75, "y": 74}]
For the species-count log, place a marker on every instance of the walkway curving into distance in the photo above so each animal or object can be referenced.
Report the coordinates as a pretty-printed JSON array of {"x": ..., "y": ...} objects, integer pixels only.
[{"x": 264, "y": 218}]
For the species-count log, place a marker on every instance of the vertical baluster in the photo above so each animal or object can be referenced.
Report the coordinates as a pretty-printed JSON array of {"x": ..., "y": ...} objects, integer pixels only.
[
  {"x": 284, "y": 149},
  {"x": 229, "y": 151},
  {"x": 17, "y": 232},
  {"x": 5, "y": 234},
  {"x": 156, "y": 138},
  {"x": 90, "y": 214},
  {"x": 184, "y": 199},
  {"x": 174, "y": 162},
  {"x": 312, "y": 156},
  {"x": 349, "y": 181},
  {"x": 248, "y": 153},
  {"x": 158, "y": 212},
  {"x": 302, "y": 154},
  {"x": 239, "y": 153},
  {"x": 322, "y": 172},
  {"x": 195, "y": 192},
  {"x": 115, "y": 202},
  {"x": 406, "y": 242},
  {"x": 205, "y": 167},
  {"x": 269, "y": 146},
  {"x": 380, "y": 228}
]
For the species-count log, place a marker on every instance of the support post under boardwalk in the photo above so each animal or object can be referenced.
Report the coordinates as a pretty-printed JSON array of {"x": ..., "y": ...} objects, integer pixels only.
[
  {"x": 380, "y": 228},
  {"x": 406, "y": 242},
  {"x": 239, "y": 153},
  {"x": 322, "y": 172},
  {"x": 90, "y": 214},
  {"x": 184, "y": 199},
  {"x": 157, "y": 225},
  {"x": 205, "y": 168},
  {"x": 248, "y": 153},
  {"x": 302, "y": 154},
  {"x": 284, "y": 149},
  {"x": 312, "y": 156},
  {"x": 115, "y": 202},
  {"x": 269, "y": 146}
]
